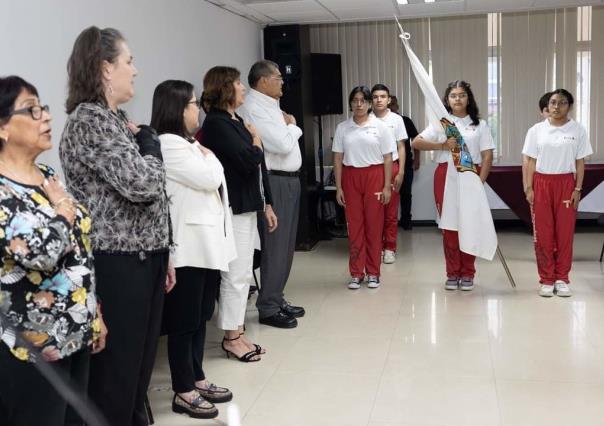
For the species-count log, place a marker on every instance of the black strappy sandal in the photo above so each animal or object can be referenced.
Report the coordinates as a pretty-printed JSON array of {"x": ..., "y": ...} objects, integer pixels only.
[
  {"x": 247, "y": 357},
  {"x": 259, "y": 349}
]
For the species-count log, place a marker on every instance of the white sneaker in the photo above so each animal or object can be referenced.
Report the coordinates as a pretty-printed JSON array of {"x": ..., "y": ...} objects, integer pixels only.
[
  {"x": 546, "y": 290},
  {"x": 389, "y": 256},
  {"x": 354, "y": 283},
  {"x": 562, "y": 289},
  {"x": 373, "y": 281}
]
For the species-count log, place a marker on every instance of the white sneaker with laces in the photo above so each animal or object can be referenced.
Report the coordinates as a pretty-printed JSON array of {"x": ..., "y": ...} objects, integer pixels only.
[
  {"x": 389, "y": 256},
  {"x": 373, "y": 281},
  {"x": 546, "y": 290},
  {"x": 354, "y": 283},
  {"x": 562, "y": 289}
]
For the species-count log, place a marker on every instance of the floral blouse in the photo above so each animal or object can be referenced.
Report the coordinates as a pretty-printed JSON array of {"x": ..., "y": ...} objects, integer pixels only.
[{"x": 47, "y": 285}]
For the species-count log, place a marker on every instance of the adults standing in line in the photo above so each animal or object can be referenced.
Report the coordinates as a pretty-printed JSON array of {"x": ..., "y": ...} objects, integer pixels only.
[
  {"x": 380, "y": 101},
  {"x": 557, "y": 148},
  {"x": 279, "y": 134},
  {"x": 203, "y": 235},
  {"x": 411, "y": 166},
  {"x": 239, "y": 148},
  {"x": 116, "y": 169}
]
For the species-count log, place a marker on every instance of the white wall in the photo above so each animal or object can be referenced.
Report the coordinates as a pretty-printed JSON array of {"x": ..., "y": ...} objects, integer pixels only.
[{"x": 169, "y": 39}]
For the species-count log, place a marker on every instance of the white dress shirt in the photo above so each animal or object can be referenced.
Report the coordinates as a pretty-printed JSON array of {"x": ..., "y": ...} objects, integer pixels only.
[
  {"x": 477, "y": 138},
  {"x": 364, "y": 145},
  {"x": 280, "y": 140},
  {"x": 557, "y": 149}
]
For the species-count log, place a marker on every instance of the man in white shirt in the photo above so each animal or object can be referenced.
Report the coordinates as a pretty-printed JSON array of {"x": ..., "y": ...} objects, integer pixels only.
[
  {"x": 380, "y": 95},
  {"x": 279, "y": 134}
]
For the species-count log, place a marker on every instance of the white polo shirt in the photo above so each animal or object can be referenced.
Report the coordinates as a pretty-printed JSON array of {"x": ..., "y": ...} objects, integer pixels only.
[
  {"x": 557, "y": 148},
  {"x": 365, "y": 145},
  {"x": 477, "y": 138},
  {"x": 396, "y": 124}
]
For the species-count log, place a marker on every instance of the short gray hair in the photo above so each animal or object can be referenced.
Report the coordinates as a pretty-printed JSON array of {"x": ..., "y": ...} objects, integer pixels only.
[{"x": 264, "y": 68}]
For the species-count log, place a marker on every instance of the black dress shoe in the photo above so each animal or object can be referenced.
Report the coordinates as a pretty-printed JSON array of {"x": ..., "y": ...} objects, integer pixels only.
[
  {"x": 293, "y": 311},
  {"x": 280, "y": 320}
]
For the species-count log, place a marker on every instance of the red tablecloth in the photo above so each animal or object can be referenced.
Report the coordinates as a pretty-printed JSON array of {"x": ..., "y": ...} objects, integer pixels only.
[{"x": 506, "y": 181}]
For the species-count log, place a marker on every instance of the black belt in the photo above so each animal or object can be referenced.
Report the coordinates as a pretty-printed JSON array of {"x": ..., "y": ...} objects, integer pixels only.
[{"x": 282, "y": 173}]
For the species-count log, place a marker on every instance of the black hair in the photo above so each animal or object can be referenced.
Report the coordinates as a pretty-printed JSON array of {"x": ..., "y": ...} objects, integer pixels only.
[
  {"x": 359, "y": 89},
  {"x": 543, "y": 101},
  {"x": 170, "y": 99},
  {"x": 563, "y": 92},
  {"x": 264, "y": 68},
  {"x": 383, "y": 87},
  {"x": 10, "y": 89},
  {"x": 472, "y": 107}
]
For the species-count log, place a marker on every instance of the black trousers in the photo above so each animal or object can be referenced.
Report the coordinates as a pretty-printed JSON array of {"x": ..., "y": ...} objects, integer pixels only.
[
  {"x": 187, "y": 309},
  {"x": 28, "y": 399},
  {"x": 131, "y": 290},
  {"x": 406, "y": 197}
]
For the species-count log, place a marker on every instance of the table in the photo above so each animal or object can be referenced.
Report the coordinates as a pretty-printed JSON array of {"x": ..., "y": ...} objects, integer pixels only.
[{"x": 506, "y": 181}]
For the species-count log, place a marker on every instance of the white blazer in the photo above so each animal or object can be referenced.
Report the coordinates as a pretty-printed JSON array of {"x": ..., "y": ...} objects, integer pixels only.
[{"x": 199, "y": 206}]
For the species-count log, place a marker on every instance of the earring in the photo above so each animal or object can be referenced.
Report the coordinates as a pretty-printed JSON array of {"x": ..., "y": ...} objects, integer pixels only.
[{"x": 110, "y": 88}]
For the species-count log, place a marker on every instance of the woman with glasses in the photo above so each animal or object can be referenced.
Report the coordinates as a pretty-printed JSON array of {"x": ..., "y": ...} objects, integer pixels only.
[
  {"x": 203, "y": 234},
  {"x": 116, "y": 169},
  {"x": 48, "y": 305},
  {"x": 460, "y": 103},
  {"x": 362, "y": 148},
  {"x": 556, "y": 148}
]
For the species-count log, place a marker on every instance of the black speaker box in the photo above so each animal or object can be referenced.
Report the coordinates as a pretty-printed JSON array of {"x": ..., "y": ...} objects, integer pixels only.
[
  {"x": 326, "y": 83},
  {"x": 289, "y": 47}
]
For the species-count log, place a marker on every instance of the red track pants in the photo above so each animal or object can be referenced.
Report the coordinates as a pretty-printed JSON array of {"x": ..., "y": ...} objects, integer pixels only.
[
  {"x": 391, "y": 215},
  {"x": 553, "y": 226},
  {"x": 365, "y": 218},
  {"x": 458, "y": 263}
]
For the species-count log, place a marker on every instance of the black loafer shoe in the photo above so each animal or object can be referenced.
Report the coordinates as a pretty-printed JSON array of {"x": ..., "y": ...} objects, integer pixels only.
[
  {"x": 293, "y": 311},
  {"x": 280, "y": 320}
]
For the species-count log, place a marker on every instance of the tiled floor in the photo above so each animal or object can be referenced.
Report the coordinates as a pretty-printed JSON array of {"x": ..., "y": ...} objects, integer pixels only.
[{"x": 413, "y": 354}]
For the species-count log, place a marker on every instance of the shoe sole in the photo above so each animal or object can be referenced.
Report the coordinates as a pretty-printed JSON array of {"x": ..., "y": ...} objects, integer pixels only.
[
  {"x": 451, "y": 288},
  {"x": 546, "y": 294},
  {"x": 564, "y": 294},
  {"x": 466, "y": 288},
  {"x": 352, "y": 287},
  {"x": 182, "y": 410},
  {"x": 293, "y": 325},
  {"x": 390, "y": 262},
  {"x": 373, "y": 285}
]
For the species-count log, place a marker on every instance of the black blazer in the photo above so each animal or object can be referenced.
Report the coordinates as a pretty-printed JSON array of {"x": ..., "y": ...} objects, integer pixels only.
[{"x": 232, "y": 143}]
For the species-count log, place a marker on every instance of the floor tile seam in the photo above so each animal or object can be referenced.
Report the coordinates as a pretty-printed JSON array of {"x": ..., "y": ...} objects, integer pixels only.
[
  {"x": 390, "y": 343},
  {"x": 266, "y": 382}
]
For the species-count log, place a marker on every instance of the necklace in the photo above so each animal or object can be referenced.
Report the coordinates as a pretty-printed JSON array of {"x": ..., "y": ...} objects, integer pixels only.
[{"x": 19, "y": 176}]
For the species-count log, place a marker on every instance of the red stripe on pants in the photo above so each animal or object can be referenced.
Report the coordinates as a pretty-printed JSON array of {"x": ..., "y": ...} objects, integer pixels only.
[
  {"x": 365, "y": 218},
  {"x": 458, "y": 263},
  {"x": 553, "y": 226},
  {"x": 391, "y": 215}
]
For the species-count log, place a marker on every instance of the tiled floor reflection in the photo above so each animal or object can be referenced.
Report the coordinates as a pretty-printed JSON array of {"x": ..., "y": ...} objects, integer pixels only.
[{"x": 412, "y": 354}]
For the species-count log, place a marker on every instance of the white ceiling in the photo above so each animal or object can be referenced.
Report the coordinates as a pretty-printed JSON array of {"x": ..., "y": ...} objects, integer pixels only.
[{"x": 275, "y": 12}]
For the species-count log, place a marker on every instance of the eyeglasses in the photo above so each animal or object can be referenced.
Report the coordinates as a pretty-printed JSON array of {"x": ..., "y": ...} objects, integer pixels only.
[
  {"x": 358, "y": 102},
  {"x": 556, "y": 104},
  {"x": 277, "y": 77},
  {"x": 35, "y": 111},
  {"x": 456, "y": 96},
  {"x": 196, "y": 102}
]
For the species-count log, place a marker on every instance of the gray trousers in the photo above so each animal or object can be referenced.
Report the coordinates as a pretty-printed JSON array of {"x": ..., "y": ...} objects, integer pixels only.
[{"x": 278, "y": 246}]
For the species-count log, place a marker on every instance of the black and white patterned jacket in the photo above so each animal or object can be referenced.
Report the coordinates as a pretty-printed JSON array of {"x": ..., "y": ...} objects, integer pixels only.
[{"x": 123, "y": 190}]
